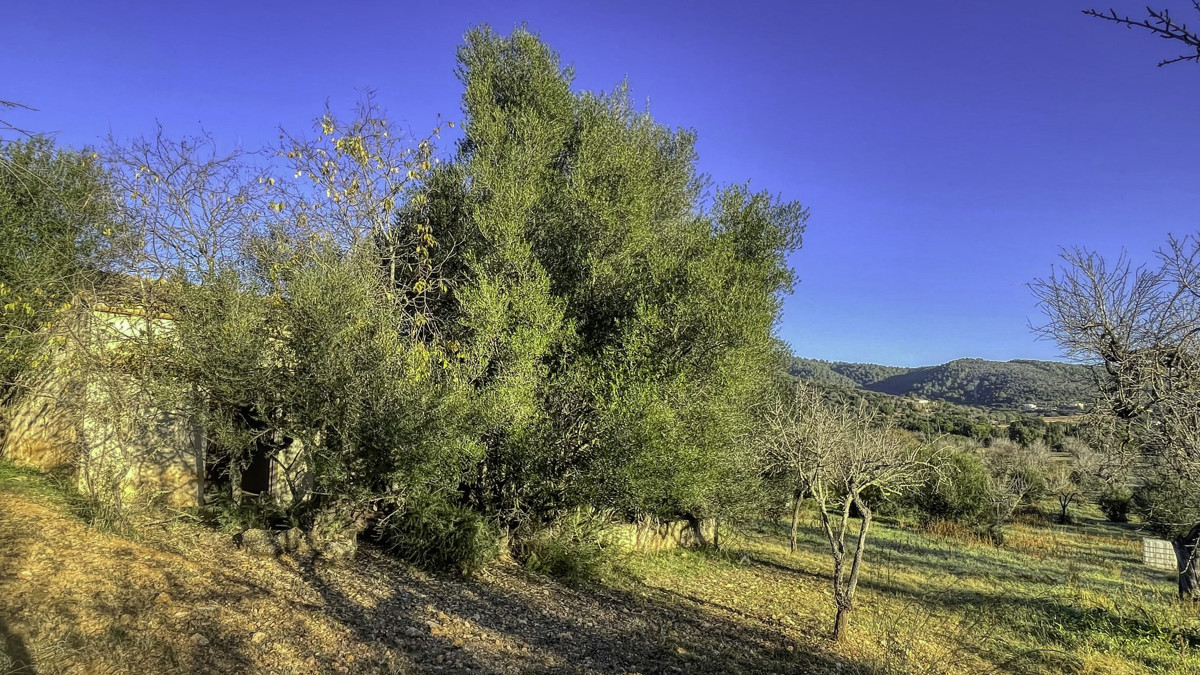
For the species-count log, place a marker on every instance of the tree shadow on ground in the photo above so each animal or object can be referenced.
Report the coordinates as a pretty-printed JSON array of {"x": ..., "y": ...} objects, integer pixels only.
[
  {"x": 14, "y": 657},
  {"x": 516, "y": 622},
  {"x": 1035, "y": 620},
  {"x": 1032, "y": 603}
]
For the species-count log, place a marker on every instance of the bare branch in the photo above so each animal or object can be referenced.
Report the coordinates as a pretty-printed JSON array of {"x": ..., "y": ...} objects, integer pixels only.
[{"x": 1161, "y": 24}]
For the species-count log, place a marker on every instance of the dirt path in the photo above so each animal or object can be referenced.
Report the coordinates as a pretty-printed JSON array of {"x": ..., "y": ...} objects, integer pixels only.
[{"x": 185, "y": 600}]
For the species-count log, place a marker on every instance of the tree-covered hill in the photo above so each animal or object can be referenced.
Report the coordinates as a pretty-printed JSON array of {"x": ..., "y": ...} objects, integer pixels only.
[{"x": 997, "y": 385}]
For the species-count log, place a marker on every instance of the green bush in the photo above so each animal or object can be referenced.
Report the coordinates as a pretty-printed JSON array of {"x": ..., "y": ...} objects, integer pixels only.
[
  {"x": 578, "y": 548},
  {"x": 957, "y": 491},
  {"x": 1115, "y": 501},
  {"x": 1167, "y": 505},
  {"x": 441, "y": 536},
  {"x": 222, "y": 512},
  {"x": 1034, "y": 479}
]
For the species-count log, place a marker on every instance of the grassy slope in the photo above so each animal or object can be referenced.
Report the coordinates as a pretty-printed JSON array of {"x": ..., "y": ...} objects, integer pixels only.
[{"x": 1052, "y": 600}]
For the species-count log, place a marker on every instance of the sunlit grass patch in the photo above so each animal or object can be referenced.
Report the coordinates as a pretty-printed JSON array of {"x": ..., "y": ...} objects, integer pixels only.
[
  {"x": 29, "y": 482},
  {"x": 1052, "y": 599}
]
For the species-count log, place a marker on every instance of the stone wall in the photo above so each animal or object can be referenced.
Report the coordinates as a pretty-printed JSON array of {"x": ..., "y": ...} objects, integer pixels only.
[
  {"x": 82, "y": 412},
  {"x": 654, "y": 536},
  {"x": 40, "y": 431}
]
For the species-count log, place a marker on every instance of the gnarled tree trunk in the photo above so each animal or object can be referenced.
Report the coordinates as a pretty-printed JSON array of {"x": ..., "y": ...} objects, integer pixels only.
[{"x": 1187, "y": 562}]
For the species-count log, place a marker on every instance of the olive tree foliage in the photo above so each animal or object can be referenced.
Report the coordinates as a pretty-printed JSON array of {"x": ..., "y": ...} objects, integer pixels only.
[
  {"x": 616, "y": 321},
  {"x": 1141, "y": 326},
  {"x": 57, "y": 230},
  {"x": 838, "y": 453}
]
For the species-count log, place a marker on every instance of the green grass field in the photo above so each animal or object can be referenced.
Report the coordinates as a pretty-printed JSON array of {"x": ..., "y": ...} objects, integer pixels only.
[{"x": 1053, "y": 599}]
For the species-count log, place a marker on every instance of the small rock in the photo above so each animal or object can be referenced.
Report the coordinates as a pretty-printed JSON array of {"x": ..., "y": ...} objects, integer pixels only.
[
  {"x": 259, "y": 542},
  {"x": 294, "y": 541},
  {"x": 198, "y": 640},
  {"x": 162, "y": 598},
  {"x": 258, "y": 637},
  {"x": 25, "y": 574}
]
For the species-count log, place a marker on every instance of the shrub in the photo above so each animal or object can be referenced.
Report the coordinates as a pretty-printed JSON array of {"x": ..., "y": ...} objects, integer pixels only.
[
  {"x": 1167, "y": 505},
  {"x": 1034, "y": 479},
  {"x": 1115, "y": 501},
  {"x": 578, "y": 548},
  {"x": 959, "y": 491},
  {"x": 1022, "y": 465},
  {"x": 438, "y": 535}
]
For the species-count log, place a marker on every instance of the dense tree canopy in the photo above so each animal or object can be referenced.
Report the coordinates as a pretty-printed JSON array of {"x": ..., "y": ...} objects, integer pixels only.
[
  {"x": 56, "y": 230},
  {"x": 619, "y": 327}
]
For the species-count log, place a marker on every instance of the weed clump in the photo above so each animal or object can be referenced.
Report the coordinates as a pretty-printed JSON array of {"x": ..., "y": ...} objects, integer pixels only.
[
  {"x": 579, "y": 548},
  {"x": 440, "y": 536}
]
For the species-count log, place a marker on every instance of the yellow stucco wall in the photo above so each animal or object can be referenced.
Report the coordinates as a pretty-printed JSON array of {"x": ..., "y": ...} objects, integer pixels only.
[{"x": 97, "y": 422}]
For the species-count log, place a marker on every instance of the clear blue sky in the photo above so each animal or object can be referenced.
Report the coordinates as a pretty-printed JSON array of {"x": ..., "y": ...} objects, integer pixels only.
[{"x": 946, "y": 149}]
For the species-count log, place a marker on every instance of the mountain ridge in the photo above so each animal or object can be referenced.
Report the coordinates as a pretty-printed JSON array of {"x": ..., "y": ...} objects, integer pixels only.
[{"x": 1019, "y": 384}]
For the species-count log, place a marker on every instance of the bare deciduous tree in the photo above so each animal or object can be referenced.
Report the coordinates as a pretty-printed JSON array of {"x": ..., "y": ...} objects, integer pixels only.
[
  {"x": 5, "y": 125},
  {"x": 838, "y": 453},
  {"x": 1061, "y": 483},
  {"x": 1141, "y": 325}
]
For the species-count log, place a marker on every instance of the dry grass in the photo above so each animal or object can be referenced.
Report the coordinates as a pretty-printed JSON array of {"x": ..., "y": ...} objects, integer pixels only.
[{"x": 182, "y": 600}]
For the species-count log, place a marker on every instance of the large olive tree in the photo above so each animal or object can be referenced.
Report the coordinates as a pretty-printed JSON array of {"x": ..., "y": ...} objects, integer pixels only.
[{"x": 616, "y": 315}]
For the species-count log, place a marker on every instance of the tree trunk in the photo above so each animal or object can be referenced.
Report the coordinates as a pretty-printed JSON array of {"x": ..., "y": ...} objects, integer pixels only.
[
  {"x": 844, "y": 591},
  {"x": 1187, "y": 561},
  {"x": 840, "y": 623},
  {"x": 795, "y": 523},
  {"x": 235, "y": 480},
  {"x": 697, "y": 526}
]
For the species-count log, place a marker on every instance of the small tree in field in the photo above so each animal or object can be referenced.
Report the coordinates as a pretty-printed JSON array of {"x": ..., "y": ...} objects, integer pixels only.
[
  {"x": 837, "y": 453},
  {"x": 1061, "y": 482}
]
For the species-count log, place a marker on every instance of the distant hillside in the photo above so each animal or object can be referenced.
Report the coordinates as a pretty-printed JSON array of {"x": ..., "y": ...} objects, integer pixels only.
[{"x": 996, "y": 385}]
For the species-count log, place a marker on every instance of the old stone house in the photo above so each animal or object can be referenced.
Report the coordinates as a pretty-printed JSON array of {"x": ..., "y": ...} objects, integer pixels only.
[{"x": 90, "y": 412}]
